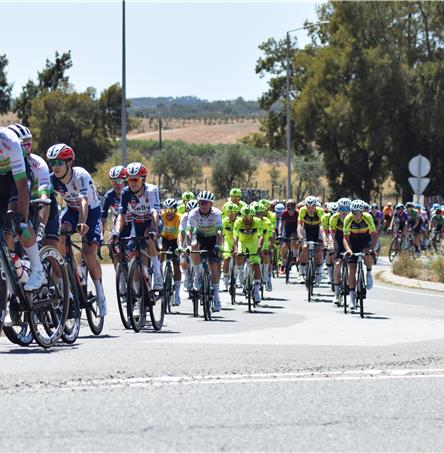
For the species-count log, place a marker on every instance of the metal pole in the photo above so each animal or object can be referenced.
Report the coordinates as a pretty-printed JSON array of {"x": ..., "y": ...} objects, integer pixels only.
[
  {"x": 160, "y": 133},
  {"x": 123, "y": 108},
  {"x": 289, "y": 191}
]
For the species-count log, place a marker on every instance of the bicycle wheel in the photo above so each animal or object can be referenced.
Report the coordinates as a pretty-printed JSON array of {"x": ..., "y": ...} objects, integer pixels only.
[
  {"x": 72, "y": 325},
  {"x": 309, "y": 277},
  {"x": 249, "y": 294},
  {"x": 232, "y": 287},
  {"x": 360, "y": 286},
  {"x": 394, "y": 249},
  {"x": 50, "y": 303},
  {"x": 122, "y": 293},
  {"x": 288, "y": 261},
  {"x": 206, "y": 295},
  {"x": 168, "y": 287},
  {"x": 95, "y": 322},
  {"x": 136, "y": 297},
  {"x": 156, "y": 306},
  {"x": 344, "y": 287},
  {"x": 20, "y": 333},
  {"x": 3, "y": 301}
]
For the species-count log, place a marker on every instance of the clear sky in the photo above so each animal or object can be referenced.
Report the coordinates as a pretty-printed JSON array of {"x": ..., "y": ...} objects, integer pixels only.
[{"x": 201, "y": 49}]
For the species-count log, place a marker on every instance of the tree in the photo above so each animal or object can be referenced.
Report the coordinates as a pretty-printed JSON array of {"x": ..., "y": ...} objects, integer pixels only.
[
  {"x": 72, "y": 118},
  {"x": 5, "y": 88},
  {"x": 51, "y": 78},
  {"x": 309, "y": 172},
  {"x": 231, "y": 166}
]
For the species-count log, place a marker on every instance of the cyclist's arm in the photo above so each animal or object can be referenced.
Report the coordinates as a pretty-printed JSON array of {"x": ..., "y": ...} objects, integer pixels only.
[
  {"x": 301, "y": 230},
  {"x": 23, "y": 197}
]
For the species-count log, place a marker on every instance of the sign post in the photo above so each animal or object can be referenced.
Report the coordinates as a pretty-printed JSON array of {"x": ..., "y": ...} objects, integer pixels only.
[{"x": 419, "y": 167}]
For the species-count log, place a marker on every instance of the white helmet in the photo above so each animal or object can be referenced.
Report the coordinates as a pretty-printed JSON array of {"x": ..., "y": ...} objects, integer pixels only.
[
  {"x": 170, "y": 203},
  {"x": 117, "y": 172},
  {"x": 344, "y": 203},
  {"x": 310, "y": 201},
  {"x": 60, "y": 151},
  {"x": 334, "y": 207},
  {"x": 205, "y": 195},
  {"x": 357, "y": 205},
  {"x": 191, "y": 204},
  {"x": 136, "y": 170},
  {"x": 22, "y": 132},
  {"x": 279, "y": 208}
]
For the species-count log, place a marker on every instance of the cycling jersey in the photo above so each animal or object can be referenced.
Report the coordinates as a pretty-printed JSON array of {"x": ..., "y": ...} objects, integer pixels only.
[
  {"x": 205, "y": 225},
  {"x": 336, "y": 223},
  {"x": 267, "y": 232},
  {"x": 183, "y": 223},
  {"x": 377, "y": 218},
  {"x": 141, "y": 208},
  {"x": 11, "y": 155},
  {"x": 325, "y": 222},
  {"x": 437, "y": 219},
  {"x": 79, "y": 186},
  {"x": 289, "y": 223},
  {"x": 41, "y": 184},
  {"x": 170, "y": 227},
  {"x": 365, "y": 226},
  {"x": 228, "y": 230},
  {"x": 248, "y": 236},
  {"x": 111, "y": 201},
  {"x": 271, "y": 216},
  {"x": 308, "y": 220}
]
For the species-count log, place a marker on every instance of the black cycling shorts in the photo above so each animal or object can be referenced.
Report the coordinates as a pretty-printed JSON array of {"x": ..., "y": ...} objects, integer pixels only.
[{"x": 208, "y": 243}]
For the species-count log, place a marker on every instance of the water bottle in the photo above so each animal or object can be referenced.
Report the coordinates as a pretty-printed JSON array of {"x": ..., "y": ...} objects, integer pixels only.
[
  {"x": 82, "y": 269},
  {"x": 22, "y": 273}
]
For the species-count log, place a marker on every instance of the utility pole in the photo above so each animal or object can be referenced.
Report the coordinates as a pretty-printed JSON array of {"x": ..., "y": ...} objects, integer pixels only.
[{"x": 123, "y": 108}]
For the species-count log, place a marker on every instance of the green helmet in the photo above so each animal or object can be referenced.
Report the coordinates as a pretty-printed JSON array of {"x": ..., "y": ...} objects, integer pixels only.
[
  {"x": 187, "y": 196},
  {"x": 266, "y": 203},
  {"x": 246, "y": 211},
  {"x": 235, "y": 192},
  {"x": 260, "y": 208},
  {"x": 231, "y": 207}
]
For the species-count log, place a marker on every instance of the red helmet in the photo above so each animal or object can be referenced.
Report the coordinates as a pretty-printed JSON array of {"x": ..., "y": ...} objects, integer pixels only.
[
  {"x": 136, "y": 170},
  {"x": 118, "y": 172},
  {"x": 60, "y": 151}
]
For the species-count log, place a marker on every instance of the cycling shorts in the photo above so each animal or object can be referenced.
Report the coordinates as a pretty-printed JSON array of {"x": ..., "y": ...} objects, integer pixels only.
[
  {"x": 250, "y": 247},
  {"x": 358, "y": 244},
  {"x": 208, "y": 243},
  {"x": 227, "y": 247},
  {"x": 94, "y": 234},
  {"x": 339, "y": 245},
  {"x": 170, "y": 245}
]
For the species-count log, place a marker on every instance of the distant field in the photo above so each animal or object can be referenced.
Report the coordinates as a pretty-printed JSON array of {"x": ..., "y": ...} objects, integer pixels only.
[{"x": 201, "y": 133}]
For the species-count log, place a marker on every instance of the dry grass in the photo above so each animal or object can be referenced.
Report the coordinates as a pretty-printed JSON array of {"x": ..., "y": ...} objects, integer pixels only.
[
  {"x": 425, "y": 268},
  {"x": 405, "y": 266},
  {"x": 437, "y": 267},
  {"x": 8, "y": 118}
]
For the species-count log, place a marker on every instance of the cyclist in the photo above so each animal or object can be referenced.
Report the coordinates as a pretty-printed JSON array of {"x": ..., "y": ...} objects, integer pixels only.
[
  {"x": 399, "y": 220},
  {"x": 205, "y": 233},
  {"x": 41, "y": 188},
  {"x": 387, "y": 213},
  {"x": 415, "y": 223},
  {"x": 117, "y": 176},
  {"x": 186, "y": 197},
  {"x": 248, "y": 238},
  {"x": 141, "y": 201},
  {"x": 359, "y": 237},
  {"x": 267, "y": 234},
  {"x": 15, "y": 182},
  {"x": 169, "y": 235},
  {"x": 76, "y": 187},
  {"x": 378, "y": 220},
  {"x": 336, "y": 241},
  {"x": 288, "y": 231},
  {"x": 235, "y": 197},
  {"x": 437, "y": 222},
  {"x": 231, "y": 213},
  {"x": 309, "y": 228},
  {"x": 183, "y": 244},
  {"x": 332, "y": 208}
]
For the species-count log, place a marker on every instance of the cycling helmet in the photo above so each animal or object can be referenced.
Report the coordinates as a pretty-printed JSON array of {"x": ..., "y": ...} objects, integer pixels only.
[
  {"x": 22, "y": 132},
  {"x": 334, "y": 207},
  {"x": 374, "y": 206},
  {"x": 191, "y": 204},
  {"x": 266, "y": 203},
  {"x": 366, "y": 205},
  {"x": 205, "y": 195},
  {"x": 246, "y": 211},
  {"x": 409, "y": 204},
  {"x": 436, "y": 206},
  {"x": 418, "y": 205},
  {"x": 231, "y": 207},
  {"x": 118, "y": 172},
  {"x": 187, "y": 196},
  {"x": 279, "y": 208},
  {"x": 260, "y": 208},
  {"x": 60, "y": 151},
  {"x": 311, "y": 201},
  {"x": 357, "y": 205},
  {"x": 344, "y": 204},
  {"x": 399, "y": 206},
  {"x": 235, "y": 192},
  {"x": 290, "y": 202},
  {"x": 136, "y": 170},
  {"x": 170, "y": 203}
]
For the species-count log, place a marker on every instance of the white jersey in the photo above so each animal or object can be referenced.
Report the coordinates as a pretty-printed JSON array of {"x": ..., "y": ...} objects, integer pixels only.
[
  {"x": 79, "y": 186},
  {"x": 11, "y": 155},
  {"x": 184, "y": 222},
  {"x": 205, "y": 225},
  {"x": 41, "y": 183}
]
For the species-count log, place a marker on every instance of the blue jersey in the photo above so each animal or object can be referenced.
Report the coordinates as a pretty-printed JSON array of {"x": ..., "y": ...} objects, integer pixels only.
[{"x": 111, "y": 201}]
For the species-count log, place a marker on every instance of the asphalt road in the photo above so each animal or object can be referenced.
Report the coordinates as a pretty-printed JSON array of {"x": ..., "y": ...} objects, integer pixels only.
[{"x": 291, "y": 376}]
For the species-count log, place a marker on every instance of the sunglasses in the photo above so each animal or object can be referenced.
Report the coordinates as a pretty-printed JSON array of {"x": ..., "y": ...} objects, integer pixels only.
[
  {"x": 169, "y": 210},
  {"x": 356, "y": 212},
  {"x": 27, "y": 145},
  {"x": 118, "y": 181},
  {"x": 56, "y": 163},
  {"x": 204, "y": 202},
  {"x": 344, "y": 209},
  {"x": 134, "y": 179}
]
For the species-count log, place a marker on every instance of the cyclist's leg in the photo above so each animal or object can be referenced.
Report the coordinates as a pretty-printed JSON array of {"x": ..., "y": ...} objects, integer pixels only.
[
  {"x": 215, "y": 268},
  {"x": 196, "y": 261}
]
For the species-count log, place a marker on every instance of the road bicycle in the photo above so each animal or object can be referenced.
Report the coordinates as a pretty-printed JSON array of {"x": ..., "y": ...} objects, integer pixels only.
[
  {"x": 168, "y": 280},
  {"x": 248, "y": 283},
  {"x": 344, "y": 291},
  {"x": 361, "y": 287},
  {"x": 310, "y": 273},
  {"x": 82, "y": 298},
  {"x": 45, "y": 309},
  {"x": 205, "y": 294},
  {"x": 141, "y": 295},
  {"x": 122, "y": 281}
]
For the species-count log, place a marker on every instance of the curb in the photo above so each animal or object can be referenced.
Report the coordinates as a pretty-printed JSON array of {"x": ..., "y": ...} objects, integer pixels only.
[{"x": 387, "y": 276}]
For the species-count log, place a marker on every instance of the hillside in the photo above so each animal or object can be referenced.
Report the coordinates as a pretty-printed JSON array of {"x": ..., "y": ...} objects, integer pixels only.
[{"x": 201, "y": 133}]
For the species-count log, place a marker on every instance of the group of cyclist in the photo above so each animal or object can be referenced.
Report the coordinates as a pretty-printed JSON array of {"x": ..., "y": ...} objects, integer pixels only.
[{"x": 259, "y": 231}]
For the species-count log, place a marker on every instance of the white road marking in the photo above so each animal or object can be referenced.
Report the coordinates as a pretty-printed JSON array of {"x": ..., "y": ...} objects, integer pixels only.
[
  {"x": 422, "y": 294},
  {"x": 350, "y": 375}
]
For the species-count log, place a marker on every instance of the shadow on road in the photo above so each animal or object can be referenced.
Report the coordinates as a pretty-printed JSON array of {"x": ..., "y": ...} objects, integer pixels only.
[
  {"x": 99, "y": 336},
  {"x": 34, "y": 349}
]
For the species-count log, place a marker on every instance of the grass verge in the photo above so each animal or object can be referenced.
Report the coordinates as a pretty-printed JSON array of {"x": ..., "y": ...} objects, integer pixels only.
[{"x": 425, "y": 268}]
